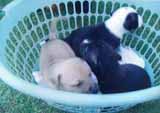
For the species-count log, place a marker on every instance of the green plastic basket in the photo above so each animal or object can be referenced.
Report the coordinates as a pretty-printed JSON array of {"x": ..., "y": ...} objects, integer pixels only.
[{"x": 25, "y": 23}]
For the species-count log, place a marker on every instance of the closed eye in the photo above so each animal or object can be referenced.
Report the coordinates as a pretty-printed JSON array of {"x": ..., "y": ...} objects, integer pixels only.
[
  {"x": 79, "y": 84},
  {"x": 90, "y": 74}
]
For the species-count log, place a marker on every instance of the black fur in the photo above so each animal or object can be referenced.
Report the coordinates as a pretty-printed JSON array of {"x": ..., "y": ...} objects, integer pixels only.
[
  {"x": 131, "y": 21},
  {"x": 95, "y": 32},
  {"x": 100, "y": 54},
  {"x": 113, "y": 77}
]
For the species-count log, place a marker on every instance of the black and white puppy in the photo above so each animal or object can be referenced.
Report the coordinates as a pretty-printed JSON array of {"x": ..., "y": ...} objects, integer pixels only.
[
  {"x": 112, "y": 76},
  {"x": 123, "y": 20}
]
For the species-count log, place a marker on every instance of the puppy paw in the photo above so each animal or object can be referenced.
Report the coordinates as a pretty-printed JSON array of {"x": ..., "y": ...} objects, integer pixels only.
[{"x": 37, "y": 76}]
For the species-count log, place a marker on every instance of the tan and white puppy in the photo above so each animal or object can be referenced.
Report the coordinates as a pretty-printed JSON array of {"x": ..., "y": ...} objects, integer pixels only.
[
  {"x": 72, "y": 75},
  {"x": 60, "y": 69},
  {"x": 52, "y": 52}
]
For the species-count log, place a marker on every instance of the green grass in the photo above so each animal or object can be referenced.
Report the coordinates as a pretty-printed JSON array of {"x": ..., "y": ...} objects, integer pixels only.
[{"x": 12, "y": 101}]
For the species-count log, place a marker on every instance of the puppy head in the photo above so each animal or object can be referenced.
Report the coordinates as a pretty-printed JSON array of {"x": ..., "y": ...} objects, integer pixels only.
[
  {"x": 54, "y": 51},
  {"x": 124, "y": 19},
  {"x": 73, "y": 75},
  {"x": 129, "y": 18}
]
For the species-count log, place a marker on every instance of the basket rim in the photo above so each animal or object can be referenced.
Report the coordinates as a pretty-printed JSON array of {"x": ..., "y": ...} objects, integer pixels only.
[{"x": 69, "y": 98}]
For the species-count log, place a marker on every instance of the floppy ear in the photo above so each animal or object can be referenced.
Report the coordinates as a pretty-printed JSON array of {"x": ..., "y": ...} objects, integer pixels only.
[
  {"x": 94, "y": 58},
  {"x": 91, "y": 56},
  {"x": 59, "y": 84}
]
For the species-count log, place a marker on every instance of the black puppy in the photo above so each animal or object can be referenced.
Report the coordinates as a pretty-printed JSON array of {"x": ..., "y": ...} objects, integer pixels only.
[
  {"x": 96, "y": 45},
  {"x": 113, "y": 77}
]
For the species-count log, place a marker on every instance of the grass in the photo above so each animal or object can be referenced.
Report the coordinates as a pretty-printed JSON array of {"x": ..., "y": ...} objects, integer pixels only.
[{"x": 12, "y": 101}]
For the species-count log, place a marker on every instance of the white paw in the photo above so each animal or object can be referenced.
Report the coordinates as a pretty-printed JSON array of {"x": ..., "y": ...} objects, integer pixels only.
[{"x": 37, "y": 76}]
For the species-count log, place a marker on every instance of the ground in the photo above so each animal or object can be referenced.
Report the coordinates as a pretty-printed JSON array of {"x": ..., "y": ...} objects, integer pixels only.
[{"x": 12, "y": 101}]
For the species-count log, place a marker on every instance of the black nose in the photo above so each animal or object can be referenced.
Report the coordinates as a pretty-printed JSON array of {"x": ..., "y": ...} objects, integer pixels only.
[
  {"x": 131, "y": 21},
  {"x": 94, "y": 90}
]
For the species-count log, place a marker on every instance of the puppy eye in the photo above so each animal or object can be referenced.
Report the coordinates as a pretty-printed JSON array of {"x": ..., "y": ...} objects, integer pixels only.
[{"x": 78, "y": 84}]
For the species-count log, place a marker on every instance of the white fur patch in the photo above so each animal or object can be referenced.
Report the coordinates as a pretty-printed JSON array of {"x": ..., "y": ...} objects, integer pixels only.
[
  {"x": 130, "y": 57},
  {"x": 86, "y": 41}
]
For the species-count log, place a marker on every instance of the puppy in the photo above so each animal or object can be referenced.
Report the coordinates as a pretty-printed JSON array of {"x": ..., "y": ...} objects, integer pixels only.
[
  {"x": 130, "y": 22},
  {"x": 123, "y": 20},
  {"x": 111, "y": 31},
  {"x": 52, "y": 52},
  {"x": 113, "y": 77},
  {"x": 60, "y": 69},
  {"x": 73, "y": 75}
]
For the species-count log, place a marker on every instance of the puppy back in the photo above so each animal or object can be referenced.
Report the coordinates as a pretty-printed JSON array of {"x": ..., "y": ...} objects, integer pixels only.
[{"x": 54, "y": 51}]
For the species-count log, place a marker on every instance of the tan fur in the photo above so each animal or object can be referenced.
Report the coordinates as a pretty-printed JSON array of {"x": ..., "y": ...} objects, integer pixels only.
[
  {"x": 60, "y": 69},
  {"x": 58, "y": 60},
  {"x": 72, "y": 71},
  {"x": 52, "y": 52}
]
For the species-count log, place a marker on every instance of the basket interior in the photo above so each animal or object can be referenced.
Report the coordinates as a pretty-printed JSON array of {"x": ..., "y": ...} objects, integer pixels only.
[
  {"x": 22, "y": 45},
  {"x": 22, "y": 49}
]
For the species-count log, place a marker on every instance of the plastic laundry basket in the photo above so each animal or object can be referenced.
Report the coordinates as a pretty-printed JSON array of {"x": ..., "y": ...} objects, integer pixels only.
[{"x": 26, "y": 22}]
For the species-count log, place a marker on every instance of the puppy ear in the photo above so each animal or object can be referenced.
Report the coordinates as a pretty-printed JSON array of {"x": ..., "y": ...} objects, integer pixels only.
[
  {"x": 59, "y": 84},
  {"x": 91, "y": 56}
]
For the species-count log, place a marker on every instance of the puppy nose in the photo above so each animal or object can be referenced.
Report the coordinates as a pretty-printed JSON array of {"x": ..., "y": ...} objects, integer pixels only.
[{"x": 94, "y": 90}]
